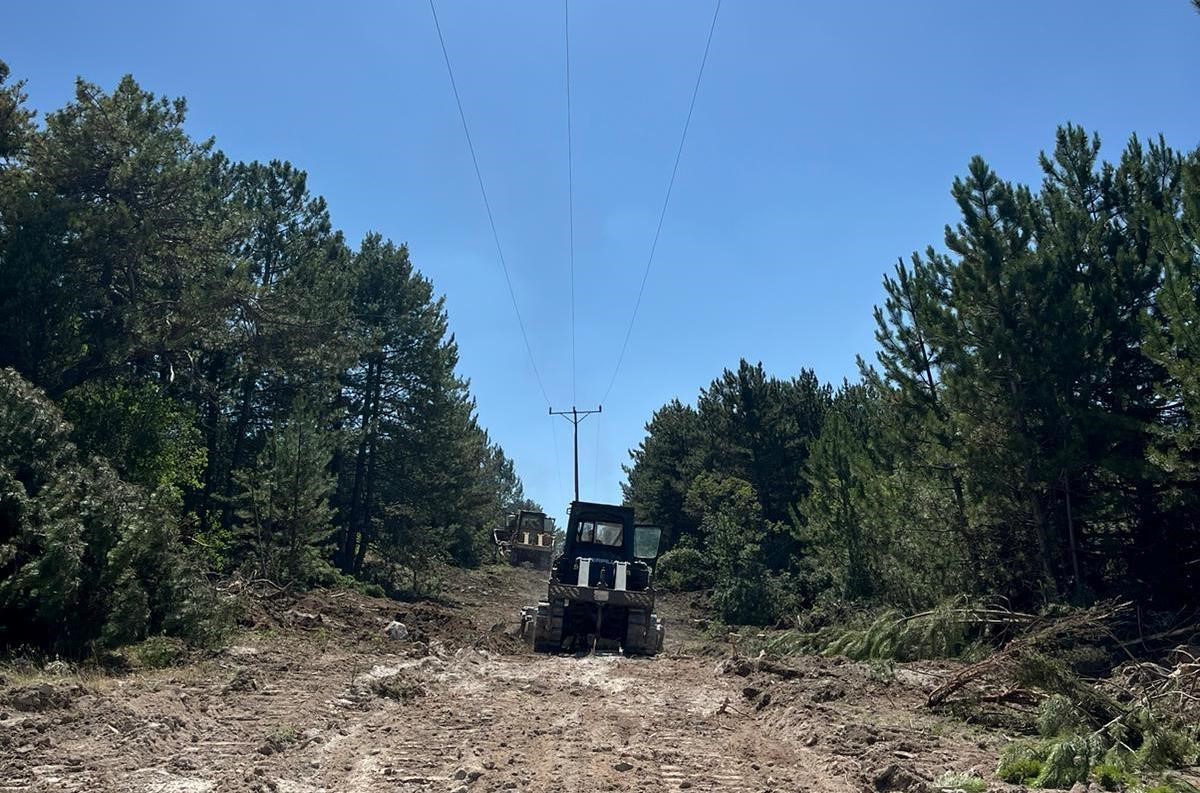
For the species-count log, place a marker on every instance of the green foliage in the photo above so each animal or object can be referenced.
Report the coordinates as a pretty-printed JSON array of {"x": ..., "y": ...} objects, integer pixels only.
[
  {"x": 734, "y": 533},
  {"x": 88, "y": 559},
  {"x": 1053, "y": 763},
  {"x": 682, "y": 570},
  {"x": 944, "y": 632},
  {"x": 159, "y": 652},
  {"x": 1058, "y": 715},
  {"x": 1112, "y": 777},
  {"x": 16, "y": 121},
  {"x": 1028, "y": 429},
  {"x": 241, "y": 389},
  {"x": 836, "y": 509},
  {"x": 1021, "y": 763},
  {"x": 420, "y": 480},
  {"x": 149, "y": 438},
  {"x": 285, "y": 501},
  {"x": 664, "y": 466},
  {"x": 745, "y": 426},
  {"x": 1166, "y": 745},
  {"x": 1069, "y": 760},
  {"x": 1072, "y": 752}
]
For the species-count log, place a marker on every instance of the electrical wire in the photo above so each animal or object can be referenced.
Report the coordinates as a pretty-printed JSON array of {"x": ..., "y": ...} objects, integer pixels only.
[
  {"x": 570, "y": 186},
  {"x": 667, "y": 200},
  {"x": 487, "y": 205}
]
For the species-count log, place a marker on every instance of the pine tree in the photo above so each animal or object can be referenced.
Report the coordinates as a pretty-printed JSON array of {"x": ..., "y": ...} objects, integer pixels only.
[
  {"x": 119, "y": 232},
  {"x": 284, "y": 500},
  {"x": 86, "y": 559},
  {"x": 664, "y": 465},
  {"x": 1175, "y": 346},
  {"x": 413, "y": 469},
  {"x": 288, "y": 317},
  {"x": 734, "y": 532}
]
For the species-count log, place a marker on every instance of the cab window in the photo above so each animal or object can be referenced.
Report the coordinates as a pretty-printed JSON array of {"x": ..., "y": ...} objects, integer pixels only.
[{"x": 601, "y": 532}]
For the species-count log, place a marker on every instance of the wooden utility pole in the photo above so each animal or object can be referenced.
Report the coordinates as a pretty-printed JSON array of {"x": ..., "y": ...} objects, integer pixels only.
[{"x": 575, "y": 416}]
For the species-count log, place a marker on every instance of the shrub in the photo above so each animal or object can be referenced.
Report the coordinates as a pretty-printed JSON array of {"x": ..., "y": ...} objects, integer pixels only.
[
  {"x": 159, "y": 652},
  {"x": 683, "y": 570},
  {"x": 91, "y": 561},
  {"x": 1020, "y": 763}
]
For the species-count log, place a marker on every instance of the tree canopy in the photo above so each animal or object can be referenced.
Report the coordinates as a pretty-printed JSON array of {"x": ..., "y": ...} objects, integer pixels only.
[
  {"x": 1027, "y": 429},
  {"x": 201, "y": 377}
]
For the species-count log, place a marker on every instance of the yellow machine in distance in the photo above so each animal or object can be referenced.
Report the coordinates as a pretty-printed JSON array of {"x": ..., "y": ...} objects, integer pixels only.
[{"x": 527, "y": 539}]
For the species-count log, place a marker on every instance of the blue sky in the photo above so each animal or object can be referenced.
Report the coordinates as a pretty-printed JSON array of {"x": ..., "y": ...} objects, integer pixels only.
[{"x": 824, "y": 141}]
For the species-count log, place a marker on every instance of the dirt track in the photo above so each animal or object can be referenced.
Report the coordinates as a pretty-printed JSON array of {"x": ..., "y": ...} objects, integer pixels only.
[{"x": 313, "y": 698}]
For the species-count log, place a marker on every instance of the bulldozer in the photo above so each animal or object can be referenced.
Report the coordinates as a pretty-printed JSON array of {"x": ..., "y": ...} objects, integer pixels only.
[
  {"x": 600, "y": 594},
  {"x": 527, "y": 539}
]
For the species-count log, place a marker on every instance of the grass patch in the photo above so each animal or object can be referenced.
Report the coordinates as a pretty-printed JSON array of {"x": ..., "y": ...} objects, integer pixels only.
[{"x": 965, "y": 783}]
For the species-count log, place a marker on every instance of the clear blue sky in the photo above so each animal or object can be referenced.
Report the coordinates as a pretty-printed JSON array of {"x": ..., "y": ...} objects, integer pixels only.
[{"x": 823, "y": 145}]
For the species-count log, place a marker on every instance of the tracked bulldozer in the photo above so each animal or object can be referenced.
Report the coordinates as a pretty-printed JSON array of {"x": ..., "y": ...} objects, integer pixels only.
[
  {"x": 600, "y": 594},
  {"x": 527, "y": 539}
]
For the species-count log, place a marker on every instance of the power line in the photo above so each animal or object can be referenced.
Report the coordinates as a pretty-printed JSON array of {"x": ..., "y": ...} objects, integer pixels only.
[
  {"x": 487, "y": 204},
  {"x": 663, "y": 213},
  {"x": 570, "y": 182}
]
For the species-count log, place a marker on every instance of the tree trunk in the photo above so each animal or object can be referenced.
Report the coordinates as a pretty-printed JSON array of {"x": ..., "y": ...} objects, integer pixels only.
[
  {"x": 364, "y": 534},
  {"x": 1071, "y": 541},
  {"x": 240, "y": 431},
  {"x": 354, "y": 520}
]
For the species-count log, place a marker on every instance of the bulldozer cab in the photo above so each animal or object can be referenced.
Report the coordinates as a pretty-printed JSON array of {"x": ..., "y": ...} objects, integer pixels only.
[{"x": 604, "y": 531}]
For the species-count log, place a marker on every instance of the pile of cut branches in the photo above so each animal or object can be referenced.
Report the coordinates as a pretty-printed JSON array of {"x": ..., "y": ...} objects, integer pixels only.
[
  {"x": 1027, "y": 658},
  {"x": 950, "y": 630},
  {"x": 1139, "y": 716},
  {"x": 1172, "y": 684}
]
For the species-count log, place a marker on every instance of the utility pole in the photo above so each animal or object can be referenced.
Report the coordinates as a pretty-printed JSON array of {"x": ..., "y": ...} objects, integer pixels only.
[{"x": 575, "y": 416}]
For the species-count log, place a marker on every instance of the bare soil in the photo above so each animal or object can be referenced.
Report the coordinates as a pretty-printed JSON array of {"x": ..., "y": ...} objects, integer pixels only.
[{"x": 311, "y": 696}]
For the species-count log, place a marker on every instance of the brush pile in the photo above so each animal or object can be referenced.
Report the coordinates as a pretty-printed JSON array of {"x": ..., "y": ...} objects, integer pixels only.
[
  {"x": 1098, "y": 699},
  {"x": 1101, "y": 711}
]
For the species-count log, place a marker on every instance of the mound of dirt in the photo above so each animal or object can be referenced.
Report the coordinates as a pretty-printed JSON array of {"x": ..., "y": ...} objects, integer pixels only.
[
  {"x": 428, "y": 622},
  {"x": 502, "y": 639},
  {"x": 349, "y": 616},
  {"x": 42, "y": 696}
]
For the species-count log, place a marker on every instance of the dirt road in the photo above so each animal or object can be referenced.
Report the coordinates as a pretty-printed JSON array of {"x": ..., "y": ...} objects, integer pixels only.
[{"x": 315, "y": 698}]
